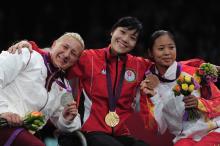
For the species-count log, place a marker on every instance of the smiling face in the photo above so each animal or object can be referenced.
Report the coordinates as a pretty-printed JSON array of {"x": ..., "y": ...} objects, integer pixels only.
[
  {"x": 65, "y": 52},
  {"x": 163, "y": 51},
  {"x": 123, "y": 40}
]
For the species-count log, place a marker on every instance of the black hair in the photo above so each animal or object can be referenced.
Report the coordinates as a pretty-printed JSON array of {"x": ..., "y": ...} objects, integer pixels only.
[
  {"x": 156, "y": 35},
  {"x": 131, "y": 23},
  {"x": 152, "y": 39}
]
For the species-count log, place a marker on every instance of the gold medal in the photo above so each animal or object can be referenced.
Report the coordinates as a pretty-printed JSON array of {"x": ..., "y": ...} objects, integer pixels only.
[{"x": 112, "y": 119}]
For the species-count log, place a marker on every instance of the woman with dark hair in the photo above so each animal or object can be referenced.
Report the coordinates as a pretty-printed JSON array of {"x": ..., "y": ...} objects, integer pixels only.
[
  {"x": 109, "y": 81},
  {"x": 190, "y": 113}
]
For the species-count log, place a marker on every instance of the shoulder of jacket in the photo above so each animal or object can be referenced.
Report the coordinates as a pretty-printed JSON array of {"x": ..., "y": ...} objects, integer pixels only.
[{"x": 188, "y": 69}]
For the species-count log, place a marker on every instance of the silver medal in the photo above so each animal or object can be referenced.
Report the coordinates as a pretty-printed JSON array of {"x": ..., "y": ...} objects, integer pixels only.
[{"x": 66, "y": 98}]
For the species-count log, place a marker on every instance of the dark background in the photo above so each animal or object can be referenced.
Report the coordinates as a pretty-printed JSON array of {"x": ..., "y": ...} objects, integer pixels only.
[{"x": 195, "y": 22}]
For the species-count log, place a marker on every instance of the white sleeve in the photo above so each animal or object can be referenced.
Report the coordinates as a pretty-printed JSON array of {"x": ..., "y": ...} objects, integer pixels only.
[
  {"x": 167, "y": 108},
  {"x": 11, "y": 65},
  {"x": 174, "y": 106},
  {"x": 158, "y": 114},
  {"x": 4, "y": 106},
  {"x": 159, "y": 102},
  {"x": 67, "y": 126},
  {"x": 173, "y": 112},
  {"x": 64, "y": 125}
]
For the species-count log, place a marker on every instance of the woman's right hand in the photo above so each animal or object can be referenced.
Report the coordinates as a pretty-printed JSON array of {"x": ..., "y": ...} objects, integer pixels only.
[
  {"x": 12, "y": 119},
  {"x": 190, "y": 101},
  {"x": 144, "y": 87},
  {"x": 18, "y": 46},
  {"x": 70, "y": 111}
]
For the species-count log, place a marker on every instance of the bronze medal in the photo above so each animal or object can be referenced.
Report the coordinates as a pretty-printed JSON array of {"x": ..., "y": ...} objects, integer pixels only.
[
  {"x": 112, "y": 119},
  {"x": 153, "y": 81}
]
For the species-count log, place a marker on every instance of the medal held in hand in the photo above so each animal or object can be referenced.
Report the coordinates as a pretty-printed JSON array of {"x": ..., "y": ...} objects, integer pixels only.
[
  {"x": 153, "y": 81},
  {"x": 66, "y": 98},
  {"x": 112, "y": 119}
]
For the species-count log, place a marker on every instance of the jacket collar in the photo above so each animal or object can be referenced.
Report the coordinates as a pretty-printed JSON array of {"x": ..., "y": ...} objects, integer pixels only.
[
  {"x": 110, "y": 57},
  {"x": 170, "y": 75}
]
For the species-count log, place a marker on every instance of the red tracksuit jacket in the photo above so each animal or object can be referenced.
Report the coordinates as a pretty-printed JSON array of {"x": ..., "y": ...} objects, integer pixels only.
[{"x": 91, "y": 70}]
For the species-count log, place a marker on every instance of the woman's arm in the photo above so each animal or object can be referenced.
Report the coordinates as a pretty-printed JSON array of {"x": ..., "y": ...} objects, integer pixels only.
[{"x": 11, "y": 65}]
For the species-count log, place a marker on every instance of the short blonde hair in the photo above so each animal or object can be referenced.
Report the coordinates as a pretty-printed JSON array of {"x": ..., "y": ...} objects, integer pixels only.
[{"x": 75, "y": 36}]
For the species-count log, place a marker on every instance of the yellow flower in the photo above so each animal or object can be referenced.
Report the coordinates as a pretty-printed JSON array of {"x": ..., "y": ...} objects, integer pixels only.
[
  {"x": 188, "y": 79},
  {"x": 184, "y": 86},
  {"x": 181, "y": 78},
  {"x": 191, "y": 88}
]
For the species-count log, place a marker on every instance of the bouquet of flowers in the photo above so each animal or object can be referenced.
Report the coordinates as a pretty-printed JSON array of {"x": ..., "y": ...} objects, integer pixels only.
[
  {"x": 185, "y": 86},
  {"x": 206, "y": 73},
  {"x": 32, "y": 121}
]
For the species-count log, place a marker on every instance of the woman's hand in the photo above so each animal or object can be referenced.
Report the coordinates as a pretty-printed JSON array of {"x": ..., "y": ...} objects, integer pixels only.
[
  {"x": 146, "y": 89},
  {"x": 18, "y": 46},
  {"x": 12, "y": 119},
  {"x": 70, "y": 111},
  {"x": 190, "y": 101}
]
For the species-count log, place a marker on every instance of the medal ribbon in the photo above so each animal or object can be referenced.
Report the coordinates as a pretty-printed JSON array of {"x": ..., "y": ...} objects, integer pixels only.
[
  {"x": 53, "y": 74},
  {"x": 178, "y": 71},
  {"x": 113, "y": 96}
]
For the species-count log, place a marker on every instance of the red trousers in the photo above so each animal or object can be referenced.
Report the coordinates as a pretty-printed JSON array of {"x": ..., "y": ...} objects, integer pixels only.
[
  {"x": 24, "y": 138},
  {"x": 212, "y": 139}
]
